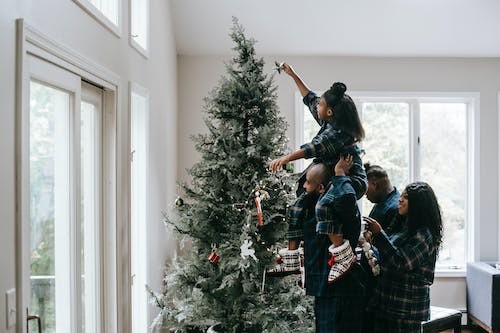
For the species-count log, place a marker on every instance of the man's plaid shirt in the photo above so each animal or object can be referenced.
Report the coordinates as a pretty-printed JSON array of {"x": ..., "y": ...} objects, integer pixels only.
[
  {"x": 407, "y": 261},
  {"x": 316, "y": 245}
]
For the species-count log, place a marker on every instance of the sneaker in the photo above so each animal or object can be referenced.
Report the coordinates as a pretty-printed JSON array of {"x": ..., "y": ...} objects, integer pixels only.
[
  {"x": 288, "y": 263},
  {"x": 341, "y": 260}
]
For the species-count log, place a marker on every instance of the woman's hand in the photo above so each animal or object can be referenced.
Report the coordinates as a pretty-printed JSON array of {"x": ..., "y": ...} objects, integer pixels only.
[
  {"x": 278, "y": 163},
  {"x": 372, "y": 225},
  {"x": 343, "y": 165}
]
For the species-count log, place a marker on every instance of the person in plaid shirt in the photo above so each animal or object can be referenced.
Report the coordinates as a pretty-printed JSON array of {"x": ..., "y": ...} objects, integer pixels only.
[
  {"x": 407, "y": 260},
  {"x": 340, "y": 129},
  {"x": 338, "y": 307},
  {"x": 385, "y": 197}
]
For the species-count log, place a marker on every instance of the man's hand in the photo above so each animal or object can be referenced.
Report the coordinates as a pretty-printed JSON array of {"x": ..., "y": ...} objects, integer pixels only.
[
  {"x": 343, "y": 165},
  {"x": 278, "y": 163}
]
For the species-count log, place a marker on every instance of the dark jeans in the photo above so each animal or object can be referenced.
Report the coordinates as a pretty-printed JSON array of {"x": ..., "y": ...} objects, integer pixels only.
[{"x": 339, "y": 314}]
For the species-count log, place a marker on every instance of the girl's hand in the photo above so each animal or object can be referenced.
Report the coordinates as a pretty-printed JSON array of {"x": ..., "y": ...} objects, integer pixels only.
[
  {"x": 287, "y": 69},
  {"x": 278, "y": 163},
  {"x": 343, "y": 165},
  {"x": 372, "y": 225}
]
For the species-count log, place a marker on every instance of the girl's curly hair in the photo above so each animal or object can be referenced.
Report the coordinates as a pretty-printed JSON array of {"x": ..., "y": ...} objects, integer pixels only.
[
  {"x": 345, "y": 115},
  {"x": 424, "y": 210}
]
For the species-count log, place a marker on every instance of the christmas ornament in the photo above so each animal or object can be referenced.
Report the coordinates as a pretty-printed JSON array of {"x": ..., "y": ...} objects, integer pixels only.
[
  {"x": 279, "y": 66},
  {"x": 259, "y": 195},
  {"x": 259, "y": 211},
  {"x": 179, "y": 202},
  {"x": 247, "y": 250},
  {"x": 214, "y": 257}
]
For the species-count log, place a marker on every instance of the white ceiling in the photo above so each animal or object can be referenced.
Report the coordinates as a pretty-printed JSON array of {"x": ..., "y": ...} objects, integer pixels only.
[{"x": 460, "y": 28}]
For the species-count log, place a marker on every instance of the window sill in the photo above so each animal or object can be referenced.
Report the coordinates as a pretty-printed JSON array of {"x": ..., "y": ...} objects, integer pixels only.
[
  {"x": 445, "y": 273},
  {"x": 142, "y": 51},
  {"x": 100, "y": 17}
]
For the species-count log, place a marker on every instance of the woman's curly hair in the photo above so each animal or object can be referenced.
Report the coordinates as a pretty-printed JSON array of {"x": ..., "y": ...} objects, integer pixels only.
[{"x": 424, "y": 210}]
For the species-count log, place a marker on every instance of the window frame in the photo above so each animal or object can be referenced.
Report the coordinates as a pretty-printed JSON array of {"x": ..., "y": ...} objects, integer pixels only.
[
  {"x": 99, "y": 16},
  {"x": 138, "y": 47},
  {"x": 471, "y": 99},
  {"x": 137, "y": 89},
  {"x": 93, "y": 95},
  {"x": 32, "y": 43}
]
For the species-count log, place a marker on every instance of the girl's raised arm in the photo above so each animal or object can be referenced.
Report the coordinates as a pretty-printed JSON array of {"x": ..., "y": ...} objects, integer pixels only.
[{"x": 298, "y": 81}]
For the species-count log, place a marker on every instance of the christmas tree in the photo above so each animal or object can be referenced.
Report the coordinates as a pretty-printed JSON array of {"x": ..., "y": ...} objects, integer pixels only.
[{"x": 232, "y": 215}]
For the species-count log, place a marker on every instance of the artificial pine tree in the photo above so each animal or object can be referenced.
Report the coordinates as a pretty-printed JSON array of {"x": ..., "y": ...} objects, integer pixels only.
[{"x": 220, "y": 277}]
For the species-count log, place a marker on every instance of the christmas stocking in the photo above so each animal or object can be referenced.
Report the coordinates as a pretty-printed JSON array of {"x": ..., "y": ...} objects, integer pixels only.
[
  {"x": 288, "y": 263},
  {"x": 341, "y": 259}
]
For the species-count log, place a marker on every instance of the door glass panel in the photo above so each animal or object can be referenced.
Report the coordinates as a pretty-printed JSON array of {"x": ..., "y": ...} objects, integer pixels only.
[{"x": 49, "y": 206}]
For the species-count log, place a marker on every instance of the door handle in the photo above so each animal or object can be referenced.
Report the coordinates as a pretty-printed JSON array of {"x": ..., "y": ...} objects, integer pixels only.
[{"x": 32, "y": 317}]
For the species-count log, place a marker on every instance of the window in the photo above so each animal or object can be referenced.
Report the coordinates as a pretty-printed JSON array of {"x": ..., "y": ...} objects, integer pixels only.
[
  {"x": 427, "y": 137},
  {"x": 65, "y": 177},
  {"x": 66, "y": 221},
  {"x": 107, "y": 12},
  {"x": 139, "y": 26},
  {"x": 49, "y": 156},
  {"x": 139, "y": 109}
]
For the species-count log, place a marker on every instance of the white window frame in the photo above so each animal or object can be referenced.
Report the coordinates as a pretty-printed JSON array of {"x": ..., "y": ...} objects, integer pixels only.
[
  {"x": 473, "y": 163},
  {"x": 93, "y": 11},
  {"x": 93, "y": 95},
  {"x": 67, "y": 268},
  {"x": 114, "y": 242},
  {"x": 135, "y": 88},
  {"x": 299, "y": 128},
  {"x": 143, "y": 51}
]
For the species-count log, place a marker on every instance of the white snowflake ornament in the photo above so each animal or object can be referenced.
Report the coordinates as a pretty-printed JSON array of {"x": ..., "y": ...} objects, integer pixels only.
[{"x": 247, "y": 250}]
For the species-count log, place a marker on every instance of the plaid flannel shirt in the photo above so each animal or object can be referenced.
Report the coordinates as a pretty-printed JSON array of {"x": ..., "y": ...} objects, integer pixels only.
[
  {"x": 407, "y": 262},
  {"x": 337, "y": 207},
  {"x": 385, "y": 211},
  {"x": 329, "y": 142},
  {"x": 316, "y": 254},
  {"x": 300, "y": 210}
]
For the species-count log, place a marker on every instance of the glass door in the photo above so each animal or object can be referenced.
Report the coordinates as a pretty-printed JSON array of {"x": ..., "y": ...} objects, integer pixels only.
[{"x": 61, "y": 231}]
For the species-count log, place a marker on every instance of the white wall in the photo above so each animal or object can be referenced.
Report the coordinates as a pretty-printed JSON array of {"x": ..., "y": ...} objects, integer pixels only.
[
  {"x": 199, "y": 74},
  {"x": 68, "y": 24}
]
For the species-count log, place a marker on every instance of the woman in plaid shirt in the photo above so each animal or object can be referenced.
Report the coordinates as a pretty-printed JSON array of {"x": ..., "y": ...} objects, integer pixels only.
[{"x": 407, "y": 260}]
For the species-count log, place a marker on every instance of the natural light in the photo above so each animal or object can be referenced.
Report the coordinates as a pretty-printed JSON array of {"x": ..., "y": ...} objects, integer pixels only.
[{"x": 389, "y": 143}]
